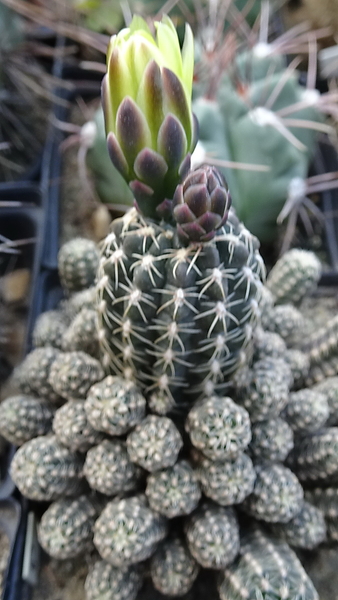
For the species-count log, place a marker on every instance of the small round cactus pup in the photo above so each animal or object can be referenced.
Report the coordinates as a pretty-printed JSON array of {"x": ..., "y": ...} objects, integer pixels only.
[
  {"x": 267, "y": 389},
  {"x": 81, "y": 335},
  {"x": 66, "y": 527},
  {"x": 306, "y": 411},
  {"x": 128, "y": 531},
  {"x": 227, "y": 482},
  {"x": 294, "y": 276},
  {"x": 212, "y": 534},
  {"x": 218, "y": 427},
  {"x": 299, "y": 364},
  {"x": 285, "y": 320},
  {"x": 78, "y": 261},
  {"x": 271, "y": 440},
  {"x": 72, "y": 428},
  {"x": 315, "y": 456},
  {"x": 106, "y": 582},
  {"x": 329, "y": 387},
  {"x": 155, "y": 443},
  {"x": 175, "y": 491},
  {"x": 24, "y": 417},
  {"x": 109, "y": 470},
  {"x": 268, "y": 343},
  {"x": 44, "y": 469},
  {"x": 32, "y": 375},
  {"x": 115, "y": 405},
  {"x": 172, "y": 568},
  {"x": 77, "y": 301},
  {"x": 49, "y": 329},
  {"x": 73, "y": 373},
  {"x": 277, "y": 495},
  {"x": 306, "y": 530}
]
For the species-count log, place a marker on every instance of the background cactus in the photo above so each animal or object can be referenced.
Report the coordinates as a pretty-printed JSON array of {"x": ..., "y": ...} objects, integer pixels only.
[
  {"x": 25, "y": 417},
  {"x": 154, "y": 443},
  {"x": 77, "y": 264},
  {"x": 66, "y": 527},
  {"x": 72, "y": 428},
  {"x": 294, "y": 276},
  {"x": 109, "y": 470},
  {"x": 172, "y": 568},
  {"x": 73, "y": 373},
  {"x": 226, "y": 482},
  {"x": 106, "y": 581},
  {"x": 173, "y": 491},
  {"x": 269, "y": 565}
]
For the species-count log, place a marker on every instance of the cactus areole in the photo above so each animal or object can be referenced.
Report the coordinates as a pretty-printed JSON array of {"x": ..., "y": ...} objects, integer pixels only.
[{"x": 180, "y": 277}]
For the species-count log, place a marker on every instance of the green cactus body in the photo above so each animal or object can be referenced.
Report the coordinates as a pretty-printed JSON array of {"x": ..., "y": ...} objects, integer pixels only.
[
  {"x": 77, "y": 301},
  {"x": 128, "y": 531},
  {"x": 66, "y": 527},
  {"x": 326, "y": 500},
  {"x": 218, "y": 427},
  {"x": 277, "y": 495},
  {"x": 73, "y": 373},
  {"x": 315, "y": 457},
  {"x": 44, "y": 469},
  {"x": 81, "y": 335},
  {"x": 212, "y": 535},
  {"x": 284, "y": 319},
  {"x": 272, "y": 440},
  {"x": 32, "y": 375},
  {"x": 299, "y": 364},
  {"x": 306, "y": 530},
  {"x": 49, "y": 329},
  {"x": 306, "y": 411},
  {"x": 77, "y": 264},
  {"x": 174, "y": 318},
  {"x": 268, "y": 343},
  {"x": 267, "y": 568},
  {"x": 172, "y": 568},
  {"x": 226, "y": 482},
  {"x": 106, "y": 582},
  {"x": 322, "y": 349},
  {"x": 329, "y": 387},
  {"x": 264, "y": 389},
  {"x": 174, "y": 491},
  {"x": 154, "y": 443},
  {"x": 73, "y": 429},
  {"x": 109, "y": 470},
  {"x": 24, "y": 417},
  {"x": 114, "y": 405},
  {"x": 294, "y": 276}
]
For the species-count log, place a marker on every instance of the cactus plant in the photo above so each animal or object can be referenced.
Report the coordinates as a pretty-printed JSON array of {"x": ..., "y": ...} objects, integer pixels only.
[
  {"x": 294, "y": 276},
  {"x": 306, "y": 530},
  {"x": 172, "y": 568},
  {"x": 212, "y": 534},
  {"x": 106, "y": 582},
  {"x": 81, "y": 334},
  {"x": 128, "y": 531},
  {"x": 109, "y": 470},
  {"x": 299, "y": 364},
  {"x": 49, "y": 329},
  {"x": 218, "y": 427},
  {"x": 173, "y": 491},
  {"x": 266, "y": 568},
  {"x": 227, "y": 482},
  {"x": 277, "y": 495},
  {"x": 268, "y": 343},
  {"x": 78, "y": 260},
  {"x": 272, "y": 440},
  {"x": 284, "y": 319},
  {"x": 325, "y": 499},
  {"x": 73, "y": 373},
  {"x": 154, "y": 443},
  {"x": 315, "y": 456},
  {"x": 114, "y": 405},
  {"x": 24, "y": 417},
  {"x": 32, "y": 375},
  {"x": 72, "y": 428},
  {"x": 44, "y": 469},
  {"x": 66, "y": 527},
  {"x": 329, "y": 387},
  {"x": 306, "y": 411}
]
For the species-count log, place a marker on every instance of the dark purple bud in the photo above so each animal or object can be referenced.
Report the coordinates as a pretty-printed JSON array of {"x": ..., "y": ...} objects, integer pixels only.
[
  {"x": 183, "y": 214},
  {"x": 132, "y": 130},
  {"x": 150, "y": 167},
  {"x": 116, "y": 155},
  {"x": 172, "y": 142}
]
